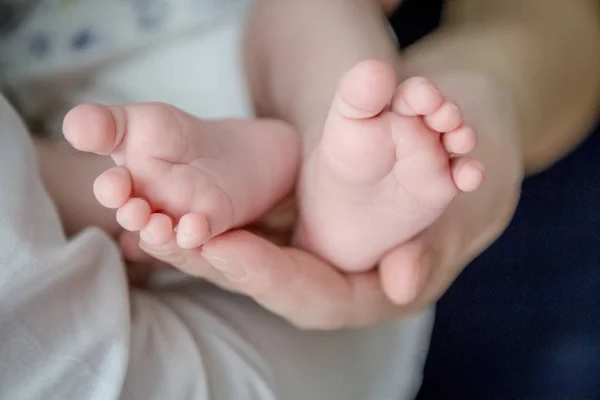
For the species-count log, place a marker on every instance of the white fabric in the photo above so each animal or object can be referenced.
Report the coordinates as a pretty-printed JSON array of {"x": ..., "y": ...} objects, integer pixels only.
[
  {"x": 70, "y": 329},
  {"x": 192, "y": 62}
]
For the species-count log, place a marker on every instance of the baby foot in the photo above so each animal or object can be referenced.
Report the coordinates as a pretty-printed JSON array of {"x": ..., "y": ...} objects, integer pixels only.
[
  {"x": 207, "y": 176},
  {"x": 385, "y": 167}
]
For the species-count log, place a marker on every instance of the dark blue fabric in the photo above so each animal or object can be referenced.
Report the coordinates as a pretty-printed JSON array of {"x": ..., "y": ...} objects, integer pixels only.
[{"x": 523, "y": 320}]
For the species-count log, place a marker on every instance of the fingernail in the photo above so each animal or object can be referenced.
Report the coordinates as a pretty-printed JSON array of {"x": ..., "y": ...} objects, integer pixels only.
[{"x": 231, "y": 270}]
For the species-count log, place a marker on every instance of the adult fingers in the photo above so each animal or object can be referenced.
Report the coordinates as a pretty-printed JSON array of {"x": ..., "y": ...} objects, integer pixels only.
[
  {"x": 419, "y": 272},
  {"x": 296, "y": 285}
]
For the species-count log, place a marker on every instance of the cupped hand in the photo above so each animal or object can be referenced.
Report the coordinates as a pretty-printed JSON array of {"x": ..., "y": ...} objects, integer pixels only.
[{"x": 312, "y": 294}]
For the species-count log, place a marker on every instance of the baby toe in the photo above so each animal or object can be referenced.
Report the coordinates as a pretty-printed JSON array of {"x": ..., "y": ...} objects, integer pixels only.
[
  {"x": 460, "y": 141},
  {"x": 94, "y": 128},
  {"x": 193, "y": 231},
  {"x": 416, "y": 96},
  {"x": 113, "y": 187},
  {"x": 468, "y": 174},
  {"x": 158, "y": 231},
  {"x": 134, "y": 214},
  {"x": 445, "y": 119}
]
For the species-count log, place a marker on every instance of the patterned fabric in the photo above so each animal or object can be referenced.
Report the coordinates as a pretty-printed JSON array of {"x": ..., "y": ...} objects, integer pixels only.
[{"x": 39, "y": 37}]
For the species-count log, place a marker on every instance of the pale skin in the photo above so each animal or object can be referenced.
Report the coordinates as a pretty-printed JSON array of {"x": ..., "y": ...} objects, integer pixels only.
[
  {"x": 504, "y": 111},
  {"x": 207, "y": 177},
  {"x": 380, "y": 174}
]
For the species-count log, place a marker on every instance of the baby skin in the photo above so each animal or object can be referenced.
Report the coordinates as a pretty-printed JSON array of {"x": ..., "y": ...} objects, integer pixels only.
[
  {"x": 386, "y": 167},
  {"x": 177, "y": 173}
]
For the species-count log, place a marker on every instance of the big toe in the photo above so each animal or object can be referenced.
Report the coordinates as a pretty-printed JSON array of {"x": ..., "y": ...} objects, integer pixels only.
[
  {"x": 94, "y": 128},
  {"x": 355, "y": 143},
  {"x": 365, "y": 90}
]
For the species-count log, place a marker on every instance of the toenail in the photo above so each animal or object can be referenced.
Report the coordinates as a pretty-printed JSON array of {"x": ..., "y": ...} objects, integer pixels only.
[
  {"x": 231, "y": 270},
  {"x": 147, "y": 237},
  {"x": 188, "y": 233}
]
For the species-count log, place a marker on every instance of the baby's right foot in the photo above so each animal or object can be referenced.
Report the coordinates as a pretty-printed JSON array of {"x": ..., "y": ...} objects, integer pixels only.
[
  {"x": 206, "y": 176},
  {"x": 385, "y": 168}
]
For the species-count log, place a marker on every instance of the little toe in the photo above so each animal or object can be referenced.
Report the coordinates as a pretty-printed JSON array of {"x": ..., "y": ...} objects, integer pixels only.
[
  {"x": 158, "y": 231},
  {"x": 467, "y": 173},
  {"x": 460, "y": 141},
  {"x": 134, "y": 214},
  {"x": 113, "y": 187},
  {"x": 417, "y": 96},
  {"x": 193, "y": 231},
  {"x": 445, "y": 119},
  {"x": 95, "y": 128},
  {"x": 365, "y": 90}
]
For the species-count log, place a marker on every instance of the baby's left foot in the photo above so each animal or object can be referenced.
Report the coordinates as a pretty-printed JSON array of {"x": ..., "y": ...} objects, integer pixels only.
[
  {"x": 383, "y": 171},
  {"x": 205, "y": 176}
]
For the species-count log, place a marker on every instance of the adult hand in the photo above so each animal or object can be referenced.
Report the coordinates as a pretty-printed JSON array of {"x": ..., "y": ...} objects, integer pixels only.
[{"x": 314, "y": 295}]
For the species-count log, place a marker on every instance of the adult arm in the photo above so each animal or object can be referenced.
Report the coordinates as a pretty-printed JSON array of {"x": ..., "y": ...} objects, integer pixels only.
[{"x": 544, "y": 54}]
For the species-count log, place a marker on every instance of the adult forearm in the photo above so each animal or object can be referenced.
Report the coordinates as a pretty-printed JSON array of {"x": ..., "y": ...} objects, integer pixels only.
[
  {"x": 297, "y": 50},
  {"x": 544, "y": 53}
]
